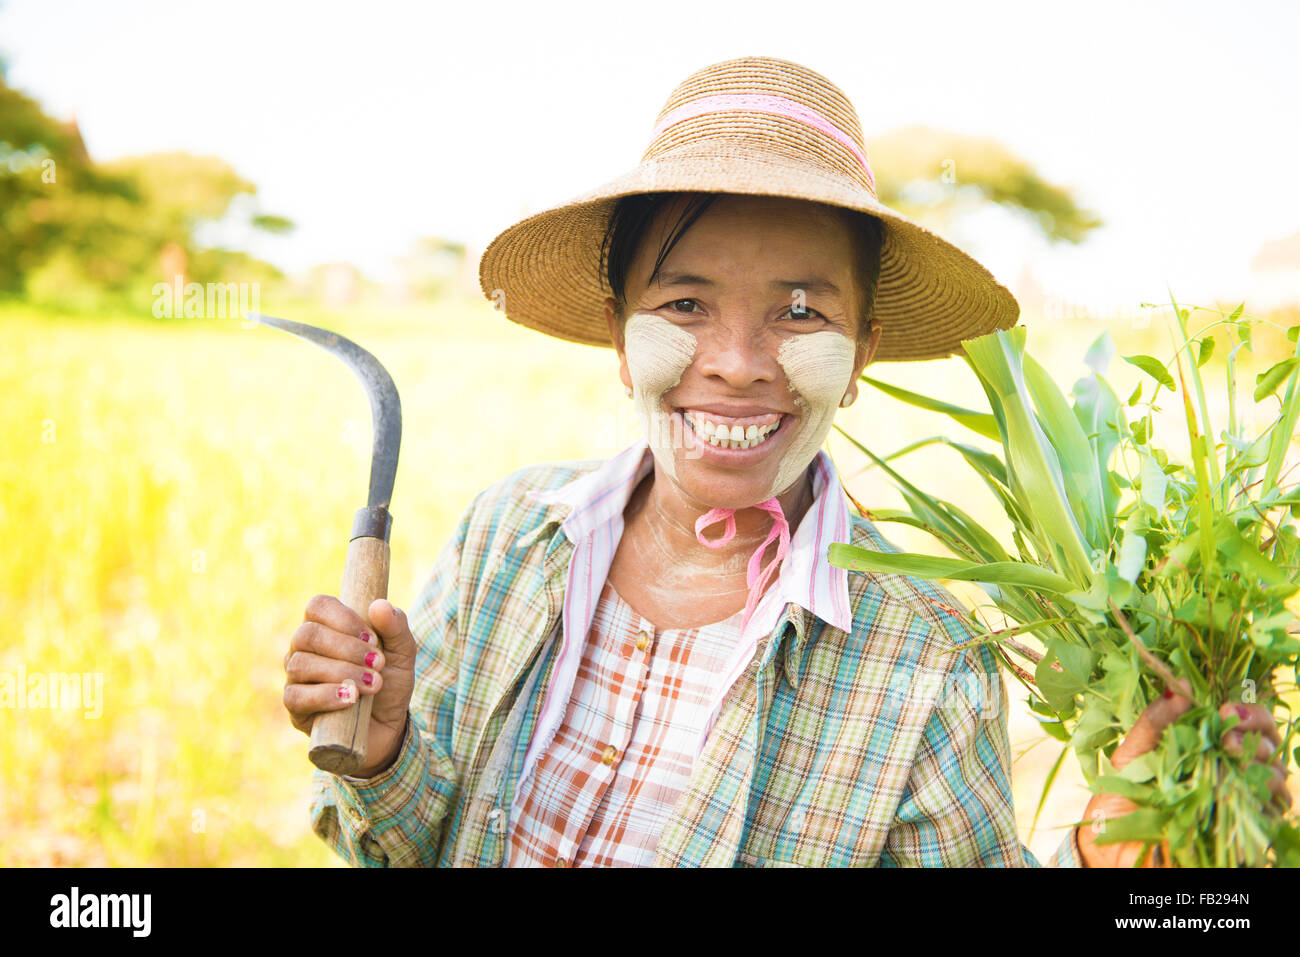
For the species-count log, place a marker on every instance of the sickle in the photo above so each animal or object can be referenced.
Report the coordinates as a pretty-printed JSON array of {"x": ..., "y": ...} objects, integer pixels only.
[{"x": 338, "y": 738}]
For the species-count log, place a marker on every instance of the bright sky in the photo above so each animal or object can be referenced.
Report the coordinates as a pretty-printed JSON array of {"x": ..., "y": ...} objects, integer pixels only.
[{"x": 371, "y": 124}]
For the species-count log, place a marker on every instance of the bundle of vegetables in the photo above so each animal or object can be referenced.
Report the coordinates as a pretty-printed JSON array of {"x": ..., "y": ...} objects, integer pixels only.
[{"x": 1134, "y": 573}]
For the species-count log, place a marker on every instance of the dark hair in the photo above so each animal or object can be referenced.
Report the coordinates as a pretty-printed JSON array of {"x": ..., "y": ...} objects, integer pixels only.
[{"x": 633, "y": 215}]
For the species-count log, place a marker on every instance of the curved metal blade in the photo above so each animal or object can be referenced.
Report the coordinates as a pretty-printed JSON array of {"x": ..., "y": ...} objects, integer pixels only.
[{"x": 385, "y": 407}]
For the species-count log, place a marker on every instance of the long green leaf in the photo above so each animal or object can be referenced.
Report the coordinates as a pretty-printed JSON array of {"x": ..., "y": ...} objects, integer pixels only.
[
  {"x": 988, "y": 464},
  {"x": 932, "y": 514},
  {"x": 901, "y": 517},
  {"x": 1282, "y": 435},
  {"x": 1047, "y": 787},
  {"x": 991, "y": 470},
  {"x": 856, "y": 558},
  {"x": 981, "y": 422},
  {"x": 993, "y": 637},
  {"x": 925, "y": 506},
  {"x": 976, "y": 536},
  {"x": 1234, "y": 426},
  {"x": 932, "y": 511},
  {"x": 951, "y": 521},
  {"x": 1200, "y": 457},
  {"x": 1101, "y": 416},
  {"x": 1073, "y": 451},
  {"x": 1208, "y": 426},
  {"x": 1036, "y": 474}
]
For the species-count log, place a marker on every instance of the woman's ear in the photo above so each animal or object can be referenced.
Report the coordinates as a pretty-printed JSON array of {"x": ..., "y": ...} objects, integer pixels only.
[
  {"x": 616, "y": 336},
  {"x": 866, "y": 353}
]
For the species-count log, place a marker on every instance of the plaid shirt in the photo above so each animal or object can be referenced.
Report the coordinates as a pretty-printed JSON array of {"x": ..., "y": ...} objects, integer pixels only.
[
  {"x": 871, "y": 745},
  {"x": 607, "y": 784}
]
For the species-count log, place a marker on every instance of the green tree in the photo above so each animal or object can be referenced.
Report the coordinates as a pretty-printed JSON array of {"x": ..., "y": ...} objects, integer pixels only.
[
  {"x": 181, "y": 193},
  {"x": 68, "y": 224},
  {"x": 42, "y": 162},
  {"x": 936, "y": 175}
]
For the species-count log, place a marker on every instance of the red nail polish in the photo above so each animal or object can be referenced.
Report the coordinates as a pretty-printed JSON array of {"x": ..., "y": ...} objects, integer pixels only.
[
  {"x": 1169, "y": 693},
  {"x": 365, "y": 636},
  {"x": 370, "y": 659},
  {"x": 367, "y": 679},
  {"x": 1243, "y": 712}
]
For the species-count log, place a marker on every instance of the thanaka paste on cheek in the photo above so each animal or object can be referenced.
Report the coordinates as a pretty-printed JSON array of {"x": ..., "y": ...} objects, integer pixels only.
[
  {"x": 819, "y": 366},
  {"x": 658, "y": 352}
]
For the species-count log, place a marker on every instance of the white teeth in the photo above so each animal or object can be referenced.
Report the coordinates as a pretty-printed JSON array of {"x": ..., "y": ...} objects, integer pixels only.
[{"x": 733, "y": 437}]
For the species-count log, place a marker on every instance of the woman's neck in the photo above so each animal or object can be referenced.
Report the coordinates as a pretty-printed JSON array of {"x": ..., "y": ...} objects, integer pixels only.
[{"x": 670, "y": 516}]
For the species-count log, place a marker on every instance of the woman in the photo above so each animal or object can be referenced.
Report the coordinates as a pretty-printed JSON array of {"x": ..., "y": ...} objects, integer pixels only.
[{"x": 648, "y": 661}]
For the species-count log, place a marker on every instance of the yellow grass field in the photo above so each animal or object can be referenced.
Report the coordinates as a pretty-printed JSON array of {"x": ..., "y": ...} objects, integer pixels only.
[{"x": 172, "y": 493}]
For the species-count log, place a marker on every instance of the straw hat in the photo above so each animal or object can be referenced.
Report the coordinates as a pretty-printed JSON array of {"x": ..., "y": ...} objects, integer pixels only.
[{"x": 760, "y": 126}]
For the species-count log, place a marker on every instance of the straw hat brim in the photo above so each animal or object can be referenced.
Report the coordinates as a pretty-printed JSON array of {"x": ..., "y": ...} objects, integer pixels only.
[{"x": 544, "y": 271}]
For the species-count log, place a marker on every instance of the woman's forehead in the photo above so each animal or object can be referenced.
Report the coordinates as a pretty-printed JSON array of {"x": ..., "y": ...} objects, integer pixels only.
[{"x": 738, "y": 233}]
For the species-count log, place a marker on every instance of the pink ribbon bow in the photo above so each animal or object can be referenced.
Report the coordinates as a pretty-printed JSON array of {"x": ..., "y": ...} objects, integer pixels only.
[{"x": 756, "y": 580}]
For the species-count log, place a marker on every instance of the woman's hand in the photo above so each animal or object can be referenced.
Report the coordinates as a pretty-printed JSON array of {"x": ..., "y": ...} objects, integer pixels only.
[
  {"x": 1143, "y": 737},
  {"x": 328, "y": 664}
]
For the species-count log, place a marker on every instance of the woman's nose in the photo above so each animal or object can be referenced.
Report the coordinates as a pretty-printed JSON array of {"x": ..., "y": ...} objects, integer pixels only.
[{"x": 736, "y": 354}]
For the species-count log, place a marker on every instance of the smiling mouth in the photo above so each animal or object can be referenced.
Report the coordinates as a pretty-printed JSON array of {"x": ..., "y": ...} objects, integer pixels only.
[{"x": 723, "y": 432}]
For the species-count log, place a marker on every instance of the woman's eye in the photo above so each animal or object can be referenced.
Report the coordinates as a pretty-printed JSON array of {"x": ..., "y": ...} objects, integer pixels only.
[
  {"x": 802, "y": 312},
  {"x": 677, "y": 302}
]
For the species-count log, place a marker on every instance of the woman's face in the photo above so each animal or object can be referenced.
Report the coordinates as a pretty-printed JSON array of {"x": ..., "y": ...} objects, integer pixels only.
[{"x": 748, "y": 332}]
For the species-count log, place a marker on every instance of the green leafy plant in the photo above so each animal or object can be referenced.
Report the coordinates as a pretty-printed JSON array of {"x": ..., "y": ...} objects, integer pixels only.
[{"x": 1134, "y": 572}]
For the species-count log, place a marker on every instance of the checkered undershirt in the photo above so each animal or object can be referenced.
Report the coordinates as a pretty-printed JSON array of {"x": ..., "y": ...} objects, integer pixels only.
[{"x": 626, "y": 746}]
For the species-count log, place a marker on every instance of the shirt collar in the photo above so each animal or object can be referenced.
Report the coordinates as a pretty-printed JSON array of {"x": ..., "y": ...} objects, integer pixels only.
[
  {"x": 806, "y": 579},
  {"x": 594, "y": 499}
]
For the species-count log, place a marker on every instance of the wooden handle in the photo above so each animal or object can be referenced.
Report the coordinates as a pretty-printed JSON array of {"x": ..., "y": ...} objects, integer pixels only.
[{"x": 338, "y": 738}]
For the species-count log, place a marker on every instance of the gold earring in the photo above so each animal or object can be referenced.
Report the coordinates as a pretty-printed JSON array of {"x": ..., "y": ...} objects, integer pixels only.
[{"x": 627, "y": 391}]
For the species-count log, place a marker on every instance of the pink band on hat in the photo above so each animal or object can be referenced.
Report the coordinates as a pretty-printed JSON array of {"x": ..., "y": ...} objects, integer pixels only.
[
  {"x": 756, "y": 579},
  {"x": 762, "y": 103}
]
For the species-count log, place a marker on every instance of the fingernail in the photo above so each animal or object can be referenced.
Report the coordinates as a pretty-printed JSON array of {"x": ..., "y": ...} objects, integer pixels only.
[
  {"x": 347, "y": 691},
  {"x": 1169, "y": 693},
  {"x": 365, "y": 636},
  {"x": 367, "y": 679},
  {"x": 1242, "y": 712},
  {"x": 370, "y": 659}
]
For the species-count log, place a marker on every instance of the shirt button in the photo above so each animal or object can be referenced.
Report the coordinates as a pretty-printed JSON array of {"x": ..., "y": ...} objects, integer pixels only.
[
  {"x": 609, "y": 754},
  {"x": 642, "y": 641},
  {"x": 561, "y": 862}
]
